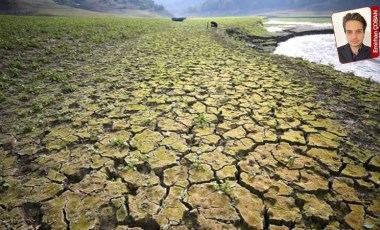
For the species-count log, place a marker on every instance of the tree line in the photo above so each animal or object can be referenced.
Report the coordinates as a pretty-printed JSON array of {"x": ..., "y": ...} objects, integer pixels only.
[{"x": 112, "y": 4}]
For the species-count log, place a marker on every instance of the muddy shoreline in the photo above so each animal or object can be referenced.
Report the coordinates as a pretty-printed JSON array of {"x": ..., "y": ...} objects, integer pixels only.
[{"x": 269, "y": 44}]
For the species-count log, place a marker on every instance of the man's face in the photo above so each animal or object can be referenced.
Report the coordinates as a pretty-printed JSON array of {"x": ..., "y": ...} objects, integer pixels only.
[{"x": 354, "y": 33}]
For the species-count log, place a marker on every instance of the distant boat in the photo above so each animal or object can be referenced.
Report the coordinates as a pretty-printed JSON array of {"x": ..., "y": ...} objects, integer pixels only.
[{"x": 178, "y": 19}]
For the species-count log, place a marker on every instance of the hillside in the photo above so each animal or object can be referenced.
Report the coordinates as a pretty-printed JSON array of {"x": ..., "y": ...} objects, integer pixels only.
[
  {"x": 241, "y": 7},
  {"x": 179, "y": 7},
  {"x": 81, "y": 7},
  {"x": 113, "y": 5}
]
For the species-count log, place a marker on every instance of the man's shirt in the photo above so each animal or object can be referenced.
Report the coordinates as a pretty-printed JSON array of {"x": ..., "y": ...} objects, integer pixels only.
[{"x": 346, "y": 55}]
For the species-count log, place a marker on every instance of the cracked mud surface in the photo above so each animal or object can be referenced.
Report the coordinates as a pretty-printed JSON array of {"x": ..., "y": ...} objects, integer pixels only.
[{"x": 181, "y": 128}]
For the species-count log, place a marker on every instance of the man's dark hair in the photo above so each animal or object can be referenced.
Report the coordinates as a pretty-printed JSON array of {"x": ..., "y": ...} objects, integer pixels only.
[{"x": 356, "y": 17}]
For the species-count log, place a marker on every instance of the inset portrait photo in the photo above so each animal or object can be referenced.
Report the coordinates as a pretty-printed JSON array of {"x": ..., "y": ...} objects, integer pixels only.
[{"x": 354, "y": 36}]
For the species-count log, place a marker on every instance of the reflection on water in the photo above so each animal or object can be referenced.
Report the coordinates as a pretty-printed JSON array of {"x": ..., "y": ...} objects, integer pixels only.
[{"x": 322, "y": 49}]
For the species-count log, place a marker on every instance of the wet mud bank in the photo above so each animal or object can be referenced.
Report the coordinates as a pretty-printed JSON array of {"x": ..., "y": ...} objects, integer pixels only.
[{"x": 269, "y": 44}]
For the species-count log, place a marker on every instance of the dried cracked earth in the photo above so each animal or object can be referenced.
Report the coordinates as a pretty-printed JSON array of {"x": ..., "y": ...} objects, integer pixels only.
[{"x": 190, "y": 132}]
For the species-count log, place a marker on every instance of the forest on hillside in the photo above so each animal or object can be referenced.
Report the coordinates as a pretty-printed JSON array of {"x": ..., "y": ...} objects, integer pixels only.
[
  {"x": 233, "y": 7},
  {"x": 101, "y": 5}
]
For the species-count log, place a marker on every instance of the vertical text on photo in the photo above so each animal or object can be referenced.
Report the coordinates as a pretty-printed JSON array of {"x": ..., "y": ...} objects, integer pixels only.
[{"x": 375, "y": 32}]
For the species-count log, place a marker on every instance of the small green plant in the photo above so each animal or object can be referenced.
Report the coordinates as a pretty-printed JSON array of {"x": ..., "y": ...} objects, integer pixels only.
[
  {"x": 93, "y": 150},
  {"x": 27, "y": 128},
  {"x": 115, "y": 85},
  {"x": 117, "y": 142},
  {"x": 14, "y": 72},
  {"x": 99, "y": 78},
  {"x": 252, "y": 175},
  {"x": 4, "y": 186},
  {"x": 290, "y": 161},
  {"x": 22, "y": 88},
  {"x": 33, "y": 44},
  {"x": 22, "y": 97},
  {"x": 54, "y": 76},
  {"x": 63, "y": 116},
  {"x": 32, "y": 88},
  {"x": 35, "y": 65},
  {"x": 238, "y": 81},
  {"x": 226, "y": 187},
  {"x": 2, "y": 97},
  {"x": 36, "y": 108},
  {"x": 131, "y": 165},
  {"x": 144, "y": 158},
  {"x": 105, "y": 111},
  {"x": 201, "y": 121},
  {"x": 45, "y": 101},
  {"x": 17, "y": 64},
  {"x": 147, "y": 122},
  {"x": 42, "y": 60},
  {"x": 160, "y": 67},
  {"x": 219, "y": 88},
  {"x": 196, "y": 163},
  {"x": 68, "y": 88}
]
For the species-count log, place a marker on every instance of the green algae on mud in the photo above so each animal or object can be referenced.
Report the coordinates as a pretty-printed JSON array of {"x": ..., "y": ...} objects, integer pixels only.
[{"x": 176, "y": 126}]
